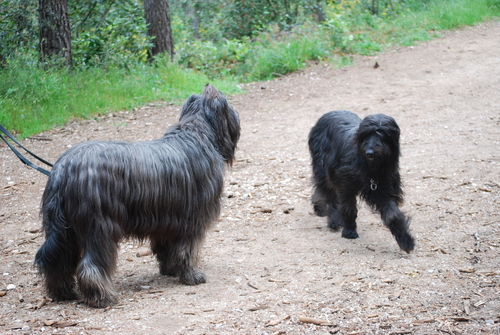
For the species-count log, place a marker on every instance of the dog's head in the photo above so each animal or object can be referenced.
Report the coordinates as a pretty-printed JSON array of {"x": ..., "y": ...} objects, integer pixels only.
[
  {"x": 213, "y": 107},
  {"x": 378, "y": 139}
]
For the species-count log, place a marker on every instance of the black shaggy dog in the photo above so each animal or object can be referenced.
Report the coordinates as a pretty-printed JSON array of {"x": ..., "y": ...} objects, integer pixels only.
[
  {"x": 166, "y": 190},
  {"x": 353, "y": 157}
]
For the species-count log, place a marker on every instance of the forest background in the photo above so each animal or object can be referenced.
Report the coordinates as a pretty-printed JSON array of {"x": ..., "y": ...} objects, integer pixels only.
[{"x": 224, "y": 42}]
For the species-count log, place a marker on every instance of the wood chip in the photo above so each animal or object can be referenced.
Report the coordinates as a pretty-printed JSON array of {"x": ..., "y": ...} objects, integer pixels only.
[
  {"x": 41, "y": 303},
  {"x": 252, "y": 286},
  {"x": 402, "y": 331},
  {"x": 467, "y": 270},
  {"x": 480, "y": 303},
  {"x": 319, "y": 322},
  {"x": 59, "y": 324},
  {"x": 144, "y": 252},
  {"x": 424, "y": 321},
  {"x": 467, "y": 306},
  {"x": 487, "y": 273},
  {"x": 277, "y": 321},
  {"x": 257, "y": 308}
]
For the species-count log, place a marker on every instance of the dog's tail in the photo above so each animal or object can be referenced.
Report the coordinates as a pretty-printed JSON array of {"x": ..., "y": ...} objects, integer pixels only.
[{"x": 58, "y": 257}]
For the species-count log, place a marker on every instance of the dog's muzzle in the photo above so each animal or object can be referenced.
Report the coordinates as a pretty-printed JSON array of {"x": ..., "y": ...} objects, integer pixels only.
[{"x": 370, "y": 154}]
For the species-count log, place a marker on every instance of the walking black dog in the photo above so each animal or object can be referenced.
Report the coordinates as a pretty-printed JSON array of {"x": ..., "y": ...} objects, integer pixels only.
[
  {"x": 166, "y": 190},
  {"x": 352, "y": 157}
]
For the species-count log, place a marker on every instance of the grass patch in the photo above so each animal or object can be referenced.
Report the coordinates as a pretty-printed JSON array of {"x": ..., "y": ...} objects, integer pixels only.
[
  {"x": 283, "y": 57},
  {"x": 36, "y": 100}
]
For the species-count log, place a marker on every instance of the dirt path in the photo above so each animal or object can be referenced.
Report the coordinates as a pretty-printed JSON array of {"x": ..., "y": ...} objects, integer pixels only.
[{"x": 269, "y": 260}]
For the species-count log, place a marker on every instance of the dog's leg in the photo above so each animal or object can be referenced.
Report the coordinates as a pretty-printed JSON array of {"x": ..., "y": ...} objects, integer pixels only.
[
  {"x": 319, "y": 203},
  {"x": 397, "y": 223},
  {"x": 95, "y": 270},
  {"x": 57, "y": 260},
  {"x": 348, "y": 211},
  {"x": 186, "y": 252},
  {"x": 177, "y": 258},
  {"x": 334, "y": 220},
  {"x": 166, "y": 260}
]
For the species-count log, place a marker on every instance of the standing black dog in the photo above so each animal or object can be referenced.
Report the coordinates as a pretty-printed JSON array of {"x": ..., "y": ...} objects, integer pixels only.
[
  {"x": 353, "y": 157},
  {"x": 166, "y": 190}
]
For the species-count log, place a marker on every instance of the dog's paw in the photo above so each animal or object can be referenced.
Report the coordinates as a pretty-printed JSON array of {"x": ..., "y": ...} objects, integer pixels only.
[
  {"x": 320, "y": 209},
  {"x": 349, "y": 233},
  {"x": 100, "y": 301},
  {"x": 58, "y": 292},
  {"x": 167, "y": 270},
  {"x": 193, "y": 277},
  {"x": 406, "y": 242},
  {"x": 333, "y": 225}
]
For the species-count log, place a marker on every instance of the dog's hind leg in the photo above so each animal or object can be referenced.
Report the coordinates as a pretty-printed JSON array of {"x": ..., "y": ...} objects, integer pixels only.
[
  {"x": 397, "y": 223},
  {"x": 330, "y": 204},
  {"x": 96, "y": 268},
  {"x": 348, "y": 213},
  {"x": 319, "y": 203},
  {"x": 57, "y": 260},
  {"x": 334, "y": 221}
]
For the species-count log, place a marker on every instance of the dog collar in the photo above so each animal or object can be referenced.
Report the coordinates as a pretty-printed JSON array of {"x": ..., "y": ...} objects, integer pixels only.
[{"x": 373, "y": 185}]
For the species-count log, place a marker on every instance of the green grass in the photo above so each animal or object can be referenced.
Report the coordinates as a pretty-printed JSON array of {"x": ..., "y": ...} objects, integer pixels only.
[
  {"x": 459, "y": 13},
  {"x": 285, "y": 56},
  {"x": 35, "y": 100}
]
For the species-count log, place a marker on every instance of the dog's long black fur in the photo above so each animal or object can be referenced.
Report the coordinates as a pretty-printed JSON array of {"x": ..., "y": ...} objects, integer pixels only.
[
  {"x": 352, "y": 157},
  {"x": 166, "y": 190}
]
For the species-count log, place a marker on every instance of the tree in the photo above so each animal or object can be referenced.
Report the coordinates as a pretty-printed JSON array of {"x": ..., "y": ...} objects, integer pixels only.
[
  {"x": 55, "y": 31},
  {"x": 158, "y": 20},
  {"x": 318, "y": 11}
]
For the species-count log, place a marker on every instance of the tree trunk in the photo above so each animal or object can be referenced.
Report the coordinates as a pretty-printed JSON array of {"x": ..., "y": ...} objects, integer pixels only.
[
  {"x": 318, "y": 11},
  {"x": 55, "y": 31},
  {"x": 158, "y": 21}
]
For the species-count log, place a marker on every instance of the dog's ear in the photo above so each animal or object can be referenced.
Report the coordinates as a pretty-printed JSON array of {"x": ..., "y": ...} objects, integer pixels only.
[
  {"x": 189, "y": 106},
  {"x": 223, "y": 119},
  {"x": 392, "y": 127}
]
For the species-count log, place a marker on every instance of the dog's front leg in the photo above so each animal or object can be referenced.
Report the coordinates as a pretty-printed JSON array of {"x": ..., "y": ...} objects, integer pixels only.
[
  {"x": 398, "y": 224},
  {"x": 178, "y": 258}
]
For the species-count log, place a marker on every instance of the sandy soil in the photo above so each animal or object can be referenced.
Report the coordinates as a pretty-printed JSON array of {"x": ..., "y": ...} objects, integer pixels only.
[{"x": 268, "y": 260}]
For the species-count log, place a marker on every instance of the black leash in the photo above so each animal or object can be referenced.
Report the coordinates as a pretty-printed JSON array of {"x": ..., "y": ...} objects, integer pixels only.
[{"x": 21, "y": 157}]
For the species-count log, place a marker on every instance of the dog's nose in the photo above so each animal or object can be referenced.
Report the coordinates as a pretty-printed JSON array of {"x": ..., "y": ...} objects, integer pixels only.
[{"x": 370, "y": 153}]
